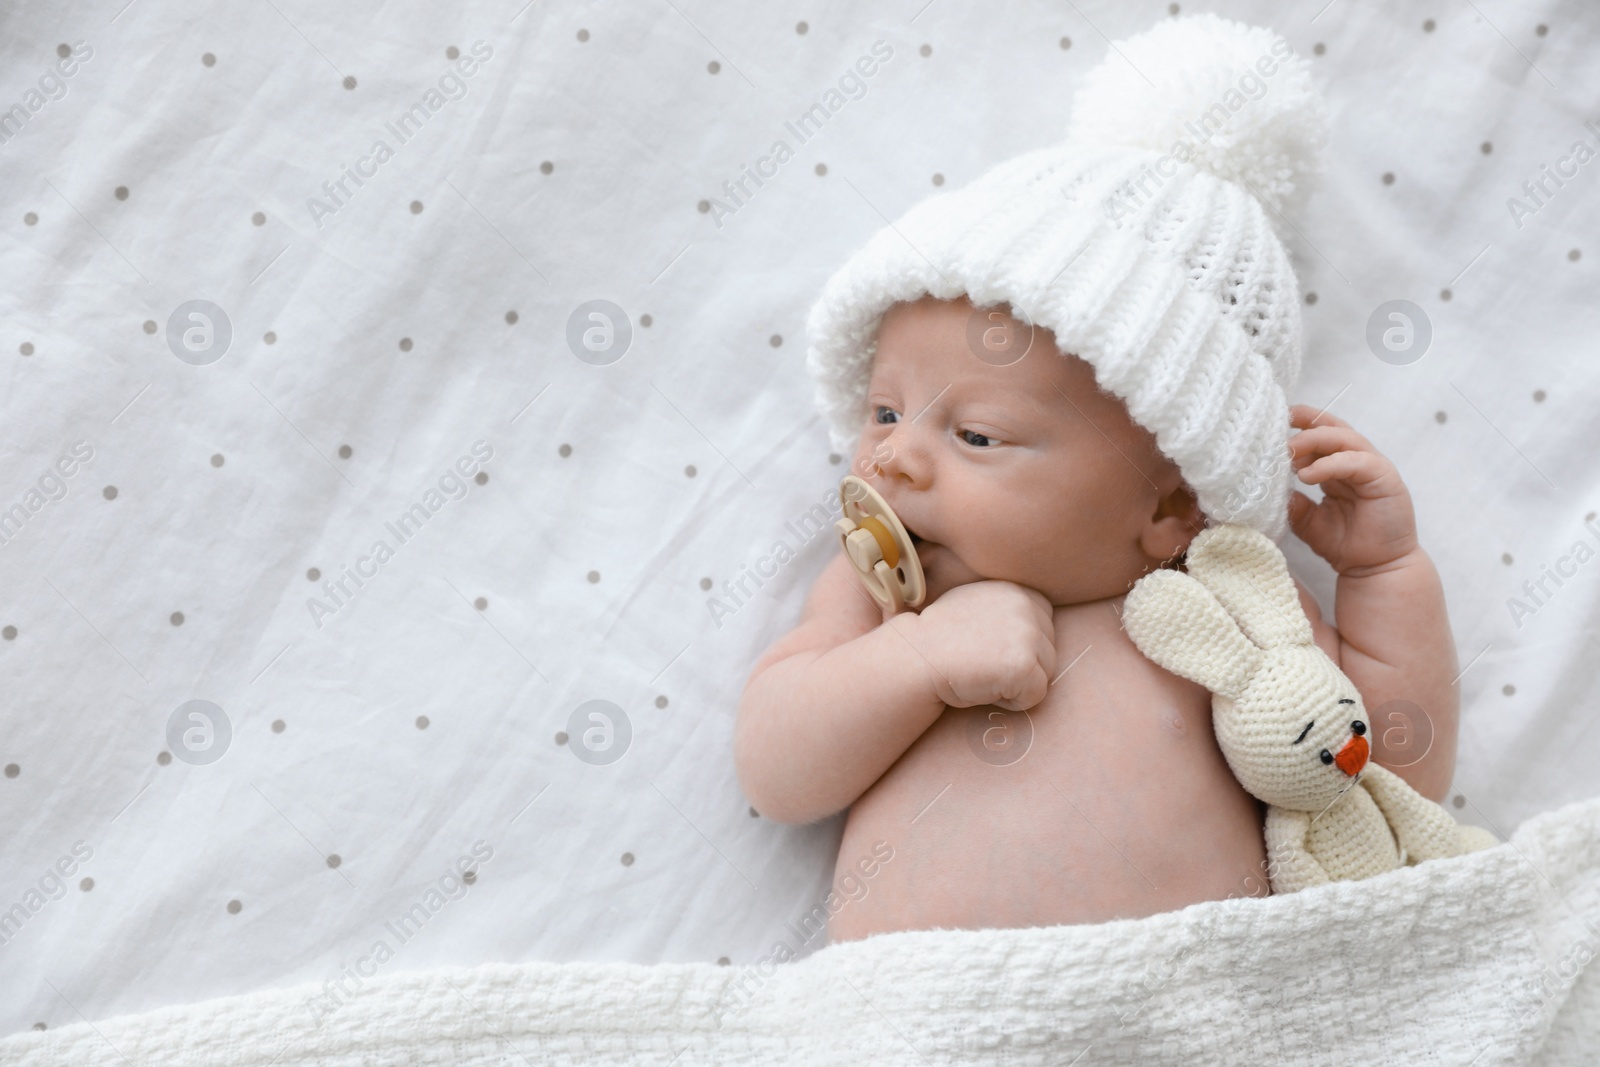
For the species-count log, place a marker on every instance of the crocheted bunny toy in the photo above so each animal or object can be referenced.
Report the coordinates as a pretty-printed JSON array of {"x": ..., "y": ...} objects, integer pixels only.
[{"x": 1290, "y": 724}]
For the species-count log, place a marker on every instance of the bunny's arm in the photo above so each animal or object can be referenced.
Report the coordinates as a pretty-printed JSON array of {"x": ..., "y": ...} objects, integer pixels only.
[
  {"x": 1291, "y": 867},
  {"x": 1422, "y": 829}
]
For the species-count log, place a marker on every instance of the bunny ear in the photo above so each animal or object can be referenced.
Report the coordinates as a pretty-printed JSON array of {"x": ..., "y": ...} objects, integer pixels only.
[
  {"x": 1247, "y": 573},
  {"x": 1177, "y": 623}
]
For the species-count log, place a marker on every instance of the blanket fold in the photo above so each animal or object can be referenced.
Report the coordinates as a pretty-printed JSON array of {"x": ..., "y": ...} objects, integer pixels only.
[{"x": 1481, "y": 959}]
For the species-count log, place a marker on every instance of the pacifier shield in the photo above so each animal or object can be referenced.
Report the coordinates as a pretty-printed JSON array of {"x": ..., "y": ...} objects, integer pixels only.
[{"x": 879, "y": 547}]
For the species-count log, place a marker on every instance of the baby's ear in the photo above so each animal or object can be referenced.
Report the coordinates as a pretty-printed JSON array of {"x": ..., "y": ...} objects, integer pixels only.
[
  {"x": 1247, "y": 573},
  {"x": 1178, "y": 624}
]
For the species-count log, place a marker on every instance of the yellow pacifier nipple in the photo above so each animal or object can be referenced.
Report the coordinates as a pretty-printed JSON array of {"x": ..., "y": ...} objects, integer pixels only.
[{"x": 879, "y": 547}]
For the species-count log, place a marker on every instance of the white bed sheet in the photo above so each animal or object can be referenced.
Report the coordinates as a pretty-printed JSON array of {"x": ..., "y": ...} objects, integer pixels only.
[{"x": 615, "y": 492}]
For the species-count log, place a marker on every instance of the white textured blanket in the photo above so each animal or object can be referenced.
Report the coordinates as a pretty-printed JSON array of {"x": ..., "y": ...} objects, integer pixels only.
[{"x": 1479, "y": 960}]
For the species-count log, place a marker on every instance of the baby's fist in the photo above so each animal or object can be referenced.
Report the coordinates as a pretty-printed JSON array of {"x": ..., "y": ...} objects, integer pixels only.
[{"x": 987, "y": 642}]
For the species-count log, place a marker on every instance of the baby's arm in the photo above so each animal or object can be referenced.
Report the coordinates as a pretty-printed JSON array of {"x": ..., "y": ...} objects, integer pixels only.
[
  {"x": 1394, "y": 637},
  {"x": 831, "y": 706}
]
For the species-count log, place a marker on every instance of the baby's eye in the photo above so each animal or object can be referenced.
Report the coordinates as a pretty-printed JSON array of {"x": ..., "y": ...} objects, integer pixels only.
[
  {"x": 975, "y": 439},
  {"x": 885, "y": 416}
]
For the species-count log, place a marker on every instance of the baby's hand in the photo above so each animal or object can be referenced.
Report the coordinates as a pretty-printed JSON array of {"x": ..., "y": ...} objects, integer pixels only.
[
  {"x": 987, "y": 642},
  {"x": 1365, "y": 519}
]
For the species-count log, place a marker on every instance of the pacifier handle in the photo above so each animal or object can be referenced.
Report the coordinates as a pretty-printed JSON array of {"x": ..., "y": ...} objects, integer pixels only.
[{"x": 878, "y": 546}]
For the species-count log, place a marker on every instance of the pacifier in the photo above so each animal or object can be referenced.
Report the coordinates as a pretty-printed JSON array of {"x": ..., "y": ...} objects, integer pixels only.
[{"x": 878, "y": 546}]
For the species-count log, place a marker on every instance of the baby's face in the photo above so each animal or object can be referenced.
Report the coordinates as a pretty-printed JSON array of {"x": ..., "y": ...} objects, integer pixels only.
[{"x": 1026, "y": 472}]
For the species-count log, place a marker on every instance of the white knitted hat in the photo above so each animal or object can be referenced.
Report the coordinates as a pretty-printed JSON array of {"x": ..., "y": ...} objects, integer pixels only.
[{"x": 1144, "y": 242}]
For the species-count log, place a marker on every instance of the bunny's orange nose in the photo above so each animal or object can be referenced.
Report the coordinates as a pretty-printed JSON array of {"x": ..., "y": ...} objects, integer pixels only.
[{"x": 1353, "y": 756}]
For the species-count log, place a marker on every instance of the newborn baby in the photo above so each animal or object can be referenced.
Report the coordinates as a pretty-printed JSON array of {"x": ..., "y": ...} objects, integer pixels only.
[
  {"x": 1036, "y": 502},
  {"x": 1056, "y": 376}
]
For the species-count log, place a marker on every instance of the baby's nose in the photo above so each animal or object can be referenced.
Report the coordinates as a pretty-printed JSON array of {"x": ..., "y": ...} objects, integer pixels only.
[{"x": 1353, "y": 756}]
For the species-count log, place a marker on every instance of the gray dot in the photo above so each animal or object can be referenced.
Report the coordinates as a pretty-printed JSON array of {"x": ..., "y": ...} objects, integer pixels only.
[
  {"x": 109, "y": 492},
  {"x": 86, "y": 885},
  {"x": 661, "y": 702},
  {"x": 546, "y": 167},
  {"x": 278, "y": 726},
  {"x": 627, "y": 859},
  {"x": 31, "y": 219},
  {"x": 12, "y": 770},
  {"x": 926, "y": 50},
  {"x": 645, "y": 321},
  {"x": 313, "y": 574},
  {"x": 834, "y": 459},
  {"x": 452, "y": 52},
  {"x": 405, "y": 344},
  {"x": 1505, "y": 557},
  {"x": 470, "y": 877},
  {"x": 821, "y": 169},
  {"x": 511, "y": 318},
  {"x": 1311, "y": 298},
  {"x": 163, "y": 758},
  {"x": 416, "y": 207},
  {"x": 1508, "y": 689},
  {"x": 150, "y": 326},
  {"x": 334, "y": 860},
  {"x": 723, "y": 961},
  {"x": 1538, "y": 396},
  {"x": 690, "y": 471},
  {"x": 38, "y": 1026},
  {"x": 1172, "y": 9},
  {"x": 217, "y": 460},
  {"x": 259, "y": 219},
  {"x": 1439, "y": 416},
  {"x": 561, "y": 737},
  {"x": 349, "y": 81},
  {"x": 270, "y": 337},
  {"x": 1589, "y": 517},
  {"x": 1486, "y": 147},
  {"x": 209, "y": 60},
  {"x": 1319, "y": 48},
  {"x": 482, "y": 478},
  {"x": 234, "y": 906},
  {"x": 705, "y": 583},
  {"x": 1388, "y": 177},
  {"x": 63, "y": 50},
  {"x": 422, "y": 722},
  {"x": 714, "y": 67},
  {"x": 703, "y": 206},
  {"x": 1427, "y": 27},
  {"x": 26, "y": 348},
  {"x": 564, "y": 451},
  {"x": 1541, "y": 29},
  {"x": 1066, "y": 43},
  {"x": 583, "y": 35},
  {"x": 1458, "y": 801},
  {"x": 938, "y": 180},
  {"x": 594, "y": 576},
  {"x": 481, "y": 604},
  {"x": 1445, "y": 295},
  {"x": 1574, "y": 255},
  {"x": 344, "y": 451},
  {"x": 754, "y": 814},
  {"x": 177, "y": 618},
  {"x": 122, "y": 192},
  {"x": 776, "y": 340},
  {"x": 9, "y": 633}
]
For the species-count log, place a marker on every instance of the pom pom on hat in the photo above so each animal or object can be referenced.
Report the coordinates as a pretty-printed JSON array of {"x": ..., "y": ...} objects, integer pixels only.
[{"x": 1180, "y": 81}]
